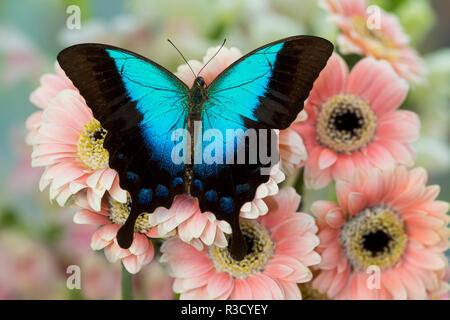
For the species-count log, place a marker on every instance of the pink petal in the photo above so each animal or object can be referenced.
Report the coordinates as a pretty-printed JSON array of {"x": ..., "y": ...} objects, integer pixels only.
[
  {"x": 327, "y": 158},
  {"x": 108, "y": 232},
  {"x": 424, "y": 258},
  {"x": 324, "y": 280},
  {"x": 339, "y": 283},
  {"x": 131, "y": 264},
  {"x": 380, "y": 157},
  {"x": 259, "y": 288},
  {"x": 88, "y": 217},
  {"x": 273, "y": 287},
  {"x": 320, "y": 208},
  {"x": 362, "y": 76},
  {"x": 331, "y": 81},
  {"x": 344, "y": 167},
  {"x": 331, "y": 257},
  {"x": 290, "y": 290},
  {"x": 401, "y": 130},
  {"x": 195, "y": 294},
  {"x": 343, "y": 189},
  {"x": 399, "y": 151},
  {"x": 97, "y": 243},
  {"x": 241, "y": 291},
  {"x": 139, "y": 245},
  {"x": 356, "y": 202},
  {"x": 218, "y": 284},
  {"x": 278, "y": 271},
  {"x": 412, "y": 284},
  {"x": 424, "y": 236}
]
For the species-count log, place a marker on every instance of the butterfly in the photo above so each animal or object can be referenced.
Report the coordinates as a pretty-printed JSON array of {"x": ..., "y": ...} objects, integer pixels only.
[{"x": 141, "y": 104}]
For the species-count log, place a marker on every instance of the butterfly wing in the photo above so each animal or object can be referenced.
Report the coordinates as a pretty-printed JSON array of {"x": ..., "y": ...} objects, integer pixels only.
[
  {"x": 265, "y": 89},
  {"x": 140, "y": 104}
]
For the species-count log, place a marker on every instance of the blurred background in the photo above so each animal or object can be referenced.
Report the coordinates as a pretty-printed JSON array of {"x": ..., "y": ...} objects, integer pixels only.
[{"x": 38, "y": 240}]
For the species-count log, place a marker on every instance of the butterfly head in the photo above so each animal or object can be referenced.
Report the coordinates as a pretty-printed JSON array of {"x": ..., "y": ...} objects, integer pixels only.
[{"x": 199, "y": 81}]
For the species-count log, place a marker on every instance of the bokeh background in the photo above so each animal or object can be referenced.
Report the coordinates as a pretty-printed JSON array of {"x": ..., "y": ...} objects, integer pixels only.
[{"x": 38, "y": 240}]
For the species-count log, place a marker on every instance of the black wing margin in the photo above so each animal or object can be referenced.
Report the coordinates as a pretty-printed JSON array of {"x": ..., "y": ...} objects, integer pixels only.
[{"x": 121, "y": 89}]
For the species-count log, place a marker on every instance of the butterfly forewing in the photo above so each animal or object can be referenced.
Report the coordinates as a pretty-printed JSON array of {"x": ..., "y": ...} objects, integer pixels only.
[
  {"x": 140, "y": 104},
  {"x": 264, "y": 90}
]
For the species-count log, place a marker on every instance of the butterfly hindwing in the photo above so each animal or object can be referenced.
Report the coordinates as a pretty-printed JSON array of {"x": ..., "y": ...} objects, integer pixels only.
[{"x": 139, "y": 104}]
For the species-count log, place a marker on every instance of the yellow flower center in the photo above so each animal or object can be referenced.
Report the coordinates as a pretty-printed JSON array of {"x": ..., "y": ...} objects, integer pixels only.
[
  {"x": 375, "y": 237},
  {"x": 90, "y": 146},
  {"x": 375, "y": 40},
  {"x": 345, "y": 123},
  {"x": 260, "y": 250},
  {"x": 119, "y": 212},
  {"x": 309, "y": 293}
]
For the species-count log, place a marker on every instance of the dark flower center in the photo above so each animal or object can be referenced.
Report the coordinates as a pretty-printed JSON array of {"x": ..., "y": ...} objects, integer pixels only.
[
  {"x": 348, "y": 121},
  {"x": 375, "y": 236},
  {"x": 345, "y": 123},
  {"x": 376, "y": 242},
  {"x": 99, "y": 134}
]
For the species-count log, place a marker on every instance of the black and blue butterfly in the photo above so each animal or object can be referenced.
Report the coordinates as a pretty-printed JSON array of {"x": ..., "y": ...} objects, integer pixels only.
[{"x": 141, "y": 104}]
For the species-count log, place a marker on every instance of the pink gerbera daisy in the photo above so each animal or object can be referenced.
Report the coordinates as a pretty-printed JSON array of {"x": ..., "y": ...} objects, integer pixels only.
[
  {"x": 353, "y": 122},
  {"x": 51, "y": 85},
  {"x": 185, "y": 220},
  {"x": 384, "y": 239},
  {"x": 377, "y": 34},
  {"x": 110, "y": 218},
  {"x": 280, "y": 250},
  {"x": 70, "y": 144}
]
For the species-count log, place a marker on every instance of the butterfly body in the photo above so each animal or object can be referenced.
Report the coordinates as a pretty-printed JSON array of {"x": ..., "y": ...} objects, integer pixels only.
[
  {"x": 197, "y": 96},
  {"x": 141, "y": 105}
]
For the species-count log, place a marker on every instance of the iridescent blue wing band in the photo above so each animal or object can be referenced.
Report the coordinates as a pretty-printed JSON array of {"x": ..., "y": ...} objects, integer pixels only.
[
  {"x": 140, "y": 104},
  {"x": 265, "y": 89}
]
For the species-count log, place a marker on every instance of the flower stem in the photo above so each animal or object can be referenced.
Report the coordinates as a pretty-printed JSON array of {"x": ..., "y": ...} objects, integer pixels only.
[
  {"x": 299, "y": 187},
  {"x": 127, "y": 284}
]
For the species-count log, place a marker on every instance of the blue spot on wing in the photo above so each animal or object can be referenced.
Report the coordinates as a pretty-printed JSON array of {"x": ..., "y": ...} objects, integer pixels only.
[
  {"x": 161, "y": 191},
  {"x": 241, "y": 188},
  {"x": 198, "y": 185},
  {"x": 133, "y": 177},
  {"x": 177, "y": 182},
  {"x": 227, "y": 205},
  {"x": 145, "y": 196},
  {"x": 211, "y": 196}
]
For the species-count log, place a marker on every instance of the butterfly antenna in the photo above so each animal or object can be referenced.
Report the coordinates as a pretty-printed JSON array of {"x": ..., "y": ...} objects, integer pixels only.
[
  {"x": 182, "y": 57},
  {"x": 224, "y": 40}
]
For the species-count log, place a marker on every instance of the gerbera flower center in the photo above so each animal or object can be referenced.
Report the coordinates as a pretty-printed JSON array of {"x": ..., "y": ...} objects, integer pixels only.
[
  {"x": 260, "y": 248},
  {"x": 309, "y": 293},
  {"x": 379, "y": 38},
  {"x": 345, "y": 123},
  {"x": 119, "y": 212},
  {"x": 376, "y": 236},
  {"x": 90, "y": 146}
]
